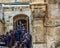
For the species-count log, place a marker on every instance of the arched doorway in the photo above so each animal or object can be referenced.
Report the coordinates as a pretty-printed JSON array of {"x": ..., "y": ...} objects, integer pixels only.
[{"x": 21, "y": 20}]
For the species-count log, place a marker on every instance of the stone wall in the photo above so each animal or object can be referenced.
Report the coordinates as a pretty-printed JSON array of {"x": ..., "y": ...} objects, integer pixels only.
[
  {"x": 37, "y": 1},
  {"x": 1, "y": 28},
  {"x": 8, "y": 15},
  {"x": 53, "y": 23},
  {"x": 6, "y": 1},
  {"x": 10, "y": 1}
]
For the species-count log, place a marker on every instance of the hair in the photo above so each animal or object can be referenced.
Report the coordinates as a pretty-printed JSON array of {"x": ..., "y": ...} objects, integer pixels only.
[
  {"x": 11, "y": 30},
  {"x": 7, "y": 33}
]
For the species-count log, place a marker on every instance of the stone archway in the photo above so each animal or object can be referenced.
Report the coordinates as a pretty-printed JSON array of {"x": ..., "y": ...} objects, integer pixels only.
[{"x": 21, "y": 19}]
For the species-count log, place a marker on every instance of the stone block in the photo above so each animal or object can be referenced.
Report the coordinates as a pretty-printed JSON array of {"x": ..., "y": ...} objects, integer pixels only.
[
  {"x": 50, "y": 22},
  {"x": 57, "y": 22},
  {"x": 53, "y": 10},
  {"x": 39, "y": 45}
]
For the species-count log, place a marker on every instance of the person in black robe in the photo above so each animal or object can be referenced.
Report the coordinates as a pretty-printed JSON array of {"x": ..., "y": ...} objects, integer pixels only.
[
  {"x": 26, "y": 39},
  {"x": 7, "y": 38},
  {"x": 18, "y": 33}
]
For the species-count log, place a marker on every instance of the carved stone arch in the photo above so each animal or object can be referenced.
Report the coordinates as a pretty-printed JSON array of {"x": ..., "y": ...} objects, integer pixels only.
[{"x": 21, "y": 17}]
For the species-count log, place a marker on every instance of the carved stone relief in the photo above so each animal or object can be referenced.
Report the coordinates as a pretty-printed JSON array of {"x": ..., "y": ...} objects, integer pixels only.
[{"x": 38, "y": 31}]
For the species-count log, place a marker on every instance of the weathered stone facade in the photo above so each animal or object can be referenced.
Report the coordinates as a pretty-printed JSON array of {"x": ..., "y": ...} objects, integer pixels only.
[
  {"x": 51, "y": 23},
  {"x": 44, "y": 21},
  {"x": 1, "y": 27}
]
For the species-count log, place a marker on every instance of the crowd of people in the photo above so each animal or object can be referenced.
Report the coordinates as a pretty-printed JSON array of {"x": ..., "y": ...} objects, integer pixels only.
[{"x": 19, "y": 38}]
